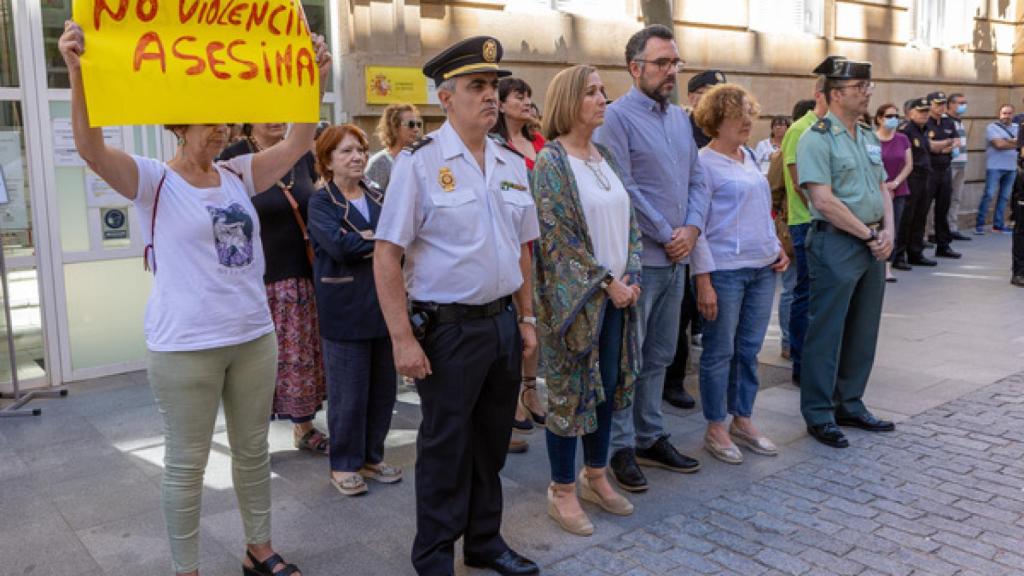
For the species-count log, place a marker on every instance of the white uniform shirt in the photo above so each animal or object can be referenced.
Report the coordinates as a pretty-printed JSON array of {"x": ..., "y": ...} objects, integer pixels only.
[{"x": 461, "y": 228}]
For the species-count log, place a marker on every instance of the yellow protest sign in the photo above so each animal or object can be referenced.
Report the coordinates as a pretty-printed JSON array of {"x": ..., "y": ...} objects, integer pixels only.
[
  {"x": 395, "y": 85},
  {"x": 197, "y": 61}
]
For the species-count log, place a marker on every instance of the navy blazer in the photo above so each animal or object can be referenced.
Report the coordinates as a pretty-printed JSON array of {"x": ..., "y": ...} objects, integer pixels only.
[{"x": 346, "y": 296}]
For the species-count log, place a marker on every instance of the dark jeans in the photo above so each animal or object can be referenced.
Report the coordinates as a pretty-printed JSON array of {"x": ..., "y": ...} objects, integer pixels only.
[
  {"x": 898, "y": 205},
  {"x": 1018, "y": 233},
  {"x": 360, "y": 399},
  {"x": 910, "y": 240},
  {"x": 941, "y": 184},
  {"x": 801, "y": 297},
  {"x": 562, "y": 449},
  {"x": 689, "y": 321},
  {"x": 468, "y": 404}
]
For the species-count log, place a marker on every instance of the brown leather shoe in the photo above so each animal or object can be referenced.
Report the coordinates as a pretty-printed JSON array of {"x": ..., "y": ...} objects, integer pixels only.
[{"x": 517, "y": 446}]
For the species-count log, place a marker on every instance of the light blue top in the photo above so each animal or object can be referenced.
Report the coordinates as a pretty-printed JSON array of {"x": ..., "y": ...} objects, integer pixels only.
[
  {"x": 461, "y": 227},
  {"x": 996, "y": 159},
  {"x": 655, "y": 148},
  {"x": 739, "y": 231}
]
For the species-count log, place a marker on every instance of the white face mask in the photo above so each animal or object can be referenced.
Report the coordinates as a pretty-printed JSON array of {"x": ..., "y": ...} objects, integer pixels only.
[{"x": 892, "y": 123}]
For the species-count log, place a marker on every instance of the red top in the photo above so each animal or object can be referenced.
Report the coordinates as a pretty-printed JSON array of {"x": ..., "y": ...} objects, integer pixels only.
[{"x": 538, "y": 143}]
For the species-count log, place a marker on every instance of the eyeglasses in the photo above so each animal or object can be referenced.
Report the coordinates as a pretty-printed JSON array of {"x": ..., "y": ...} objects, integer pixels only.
[
  {"x": 413, "y": 124},
  {"x": 664, "y": 64},
  {"x": 897, "y": 116},
  {"x": 862, "y": 87}
]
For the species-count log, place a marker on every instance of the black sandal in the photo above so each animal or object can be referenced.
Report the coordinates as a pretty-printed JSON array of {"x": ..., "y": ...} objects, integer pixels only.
[
  {"x": 530, "y": 383},
  {"x": 266, "y": 568}
]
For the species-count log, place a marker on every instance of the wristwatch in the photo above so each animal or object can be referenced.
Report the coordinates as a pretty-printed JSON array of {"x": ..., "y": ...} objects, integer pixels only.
[
  {"x": 872, "y": 237},
  {"x": 531, "y": 320},
  {"x": 607, "y": 280}
]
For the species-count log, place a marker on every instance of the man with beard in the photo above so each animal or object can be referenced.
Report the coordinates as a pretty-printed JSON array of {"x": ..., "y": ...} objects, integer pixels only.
[
  {"x": 839, "y": 161},
  {"x": 459, "y": 209},
  {"x": 652, "y": 141}
]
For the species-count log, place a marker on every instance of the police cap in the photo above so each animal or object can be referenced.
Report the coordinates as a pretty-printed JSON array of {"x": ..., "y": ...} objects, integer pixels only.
[
  {"x": 705, "y": 78},
  {"x": 470, "y": 56},
  {"x": 936, "y": 97},
  {"x": 839, "y": 68},
  {"x": 920, "y": 103}
]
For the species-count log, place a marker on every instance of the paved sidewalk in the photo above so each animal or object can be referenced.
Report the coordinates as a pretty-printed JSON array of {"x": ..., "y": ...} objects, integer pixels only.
[{"x": 80, "y": 485}]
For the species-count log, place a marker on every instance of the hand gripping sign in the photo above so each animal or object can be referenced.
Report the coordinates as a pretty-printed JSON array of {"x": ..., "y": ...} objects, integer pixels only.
[{"x": 197, "y": 61}]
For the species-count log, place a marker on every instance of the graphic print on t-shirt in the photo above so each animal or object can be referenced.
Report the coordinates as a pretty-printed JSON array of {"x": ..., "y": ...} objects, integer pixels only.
[{"x": 232, "y": 232}]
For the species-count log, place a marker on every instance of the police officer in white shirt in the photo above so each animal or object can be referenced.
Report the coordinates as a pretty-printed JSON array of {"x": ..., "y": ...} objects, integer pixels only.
[{"x": 459, "y": 209}]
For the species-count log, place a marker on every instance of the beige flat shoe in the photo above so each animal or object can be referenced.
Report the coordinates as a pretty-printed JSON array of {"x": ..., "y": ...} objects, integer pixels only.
[
  {"x": 578, "y": 524},
  {"x": 353, "y": 485},
  {"x": 617, "y": 505},
  {"x": 761, "y": 445},
  {"x": 729, "y": 454},
  {"x": 382, "y": 473}
]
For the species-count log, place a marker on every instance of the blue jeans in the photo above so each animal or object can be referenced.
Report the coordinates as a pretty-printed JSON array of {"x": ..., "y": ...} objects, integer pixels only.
[
  {"x": 360, "y": 398},
  {"x": 660, "y": 306},
  {"x": 801, "y": 296},
  {"x": 562, "y": 449},
  {"x": 786, "y": 303},
  {"x": 1003, "y": 179},
  {"x": 728, "y": 364}
]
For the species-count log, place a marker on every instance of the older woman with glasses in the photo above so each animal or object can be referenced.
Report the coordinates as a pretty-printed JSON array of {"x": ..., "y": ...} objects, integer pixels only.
[
  {"x": 209, "y": 330},
  {"x": 586, "y": 268},
  {"x": 734, "y": 263},
  {"x": 400, "y": 125}
]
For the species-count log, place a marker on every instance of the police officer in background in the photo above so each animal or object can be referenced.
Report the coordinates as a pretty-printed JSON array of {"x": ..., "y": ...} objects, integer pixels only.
[
  {"x": 839, "y": 161},
  {"x": 460, "y": 211},
  {"x": 910, "y": 240},
  {"x": 943, "y": 137}
]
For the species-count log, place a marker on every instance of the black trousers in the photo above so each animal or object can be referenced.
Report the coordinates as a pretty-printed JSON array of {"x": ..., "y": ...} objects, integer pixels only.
[
  {"x": 910, "y": 238},
  {"x": 1017, "y": 203},
  {"x": 689, "y": 320},
  {"x": 468, "y": 404},
  {"x": 941, "y": 184}
]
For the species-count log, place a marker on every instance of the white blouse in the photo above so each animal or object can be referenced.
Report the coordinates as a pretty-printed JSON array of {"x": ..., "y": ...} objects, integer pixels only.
[{"x": 606, "y": 212}]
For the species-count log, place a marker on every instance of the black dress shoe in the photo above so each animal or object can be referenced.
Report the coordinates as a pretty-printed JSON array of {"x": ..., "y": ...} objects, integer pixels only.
[
  {"x": 626, "y": 472},
  {"x": 678, "y": 397},
  {"x": 946, "y": 252},
  {"x": 866, "y": 421},
  {"x": 929, "y": 244},
  {"x": 508, "y": 563},
  {"x": 664, "y": 455},
  {"x": 828, "y": 434},
  {"x": 524, "y": 426},
  {"x": 959, "y": 236},
  {"x": 901, "y": 264},
  {"x": 921, "y": 260},
  {"x": 795, "y": 379},
  {"x": 931, "y": 238}
]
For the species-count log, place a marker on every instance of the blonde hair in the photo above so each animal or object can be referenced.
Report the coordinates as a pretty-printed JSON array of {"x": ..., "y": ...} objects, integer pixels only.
[
  {"x": 564, "y": 99},
  {"x": 721, "y": 102},
  {"x": 390, "y": 122}
]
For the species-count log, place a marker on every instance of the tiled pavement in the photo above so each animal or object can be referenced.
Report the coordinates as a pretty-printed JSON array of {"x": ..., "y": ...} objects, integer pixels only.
[{"x": 79, "y": 486}]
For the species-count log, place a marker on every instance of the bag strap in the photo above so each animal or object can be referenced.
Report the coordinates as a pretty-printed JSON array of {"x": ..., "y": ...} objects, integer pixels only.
[
  {"x": 287, "y": 191},
  {"x": 150, "y": 251}
]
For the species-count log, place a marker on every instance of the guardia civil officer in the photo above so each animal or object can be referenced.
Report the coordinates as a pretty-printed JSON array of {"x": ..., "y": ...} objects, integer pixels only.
[
  {"x": 839, "y": 161},
  {"x": 460, "y": 211},
  {"x": 943, "y": 137},
  {"x": 910, "y": 237}
]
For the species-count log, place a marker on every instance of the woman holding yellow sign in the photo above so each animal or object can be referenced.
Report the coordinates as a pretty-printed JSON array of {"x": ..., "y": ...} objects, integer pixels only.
[{"x": 208, "y": 326}]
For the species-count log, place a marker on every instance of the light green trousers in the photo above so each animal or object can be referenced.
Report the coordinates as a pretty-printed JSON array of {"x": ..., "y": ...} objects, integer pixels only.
[{"x": 189, "y": 387}]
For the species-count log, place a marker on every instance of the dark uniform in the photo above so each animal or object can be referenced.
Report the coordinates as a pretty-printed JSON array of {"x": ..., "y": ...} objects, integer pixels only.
[
  {"x": 847, "y": 281},
  {"x": 462, "y": 227},
  {"x": 910, "y": 240},
  {"x": 941, "y": 182}
]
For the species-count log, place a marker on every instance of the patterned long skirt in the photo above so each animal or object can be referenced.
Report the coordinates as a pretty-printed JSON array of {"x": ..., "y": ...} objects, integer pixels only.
[{"x": 300, "y": 390}]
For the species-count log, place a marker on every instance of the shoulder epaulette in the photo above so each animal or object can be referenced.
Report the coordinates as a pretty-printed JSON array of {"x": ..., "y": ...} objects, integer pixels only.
[
  {"x": 821, "y": 126},
  {"x": 419, "y": 144},
  {"x": 501, "y": 141},
  {"x": 864, "y": 125}
]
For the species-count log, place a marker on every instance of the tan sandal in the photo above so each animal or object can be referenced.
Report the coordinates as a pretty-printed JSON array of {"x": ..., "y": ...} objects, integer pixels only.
[
  {"x": 382, "y": 473},
  {"x": 617, "y": 504},
  {"x": 353, "y": 485},
  {"x": 578, "y": 524},
  {"x": 729, "y": 454},
  {"x": 530, "y": 383},
  {"x": 760, "y": 445},
  {"x": 313, "y": 441}
]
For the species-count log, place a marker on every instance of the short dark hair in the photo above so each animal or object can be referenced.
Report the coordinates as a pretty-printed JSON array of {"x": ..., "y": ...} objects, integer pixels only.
[
  {"x": 780, "y": 120},
  {"x": 881, "y": 112},
  {"x": 802, "y": 107},
  {"x": 638, "y": 42},
  {"x": 507, "y": 86},
  {"x": 954, "y": 96}
]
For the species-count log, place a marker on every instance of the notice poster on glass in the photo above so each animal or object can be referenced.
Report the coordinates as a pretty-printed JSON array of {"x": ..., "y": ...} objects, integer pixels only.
[
  {"x": 64, "y": 151},
  {"x": 99, "y": 194},
  {"x": 14, "y": 215}
]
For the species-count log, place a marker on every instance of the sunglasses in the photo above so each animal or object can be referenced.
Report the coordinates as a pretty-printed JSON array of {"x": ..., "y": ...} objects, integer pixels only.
[
  {"x": 890, "y": 115},
  {"x": 413, "y": 124}
]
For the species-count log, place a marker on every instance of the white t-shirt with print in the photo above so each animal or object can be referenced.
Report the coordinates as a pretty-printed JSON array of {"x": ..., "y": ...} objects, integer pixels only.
[{"x": 208, "y": 287}]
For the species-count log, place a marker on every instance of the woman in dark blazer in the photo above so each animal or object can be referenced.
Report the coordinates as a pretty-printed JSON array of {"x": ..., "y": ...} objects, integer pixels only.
[{"x": 357, "y": 350}]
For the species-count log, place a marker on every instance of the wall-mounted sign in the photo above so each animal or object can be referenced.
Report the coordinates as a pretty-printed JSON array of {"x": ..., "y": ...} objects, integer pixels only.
[
  {"x": 115, "y": 223},
  {"x": 398, "y": 85}
]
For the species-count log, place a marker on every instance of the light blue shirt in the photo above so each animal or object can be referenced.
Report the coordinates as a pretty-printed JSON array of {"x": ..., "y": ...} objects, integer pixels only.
[
  {"x": 461, "y": 228},
  {"x": 996, "y": 159},
  {"x": 739, "y": 231},
  {"x": 655, "y": 149}
]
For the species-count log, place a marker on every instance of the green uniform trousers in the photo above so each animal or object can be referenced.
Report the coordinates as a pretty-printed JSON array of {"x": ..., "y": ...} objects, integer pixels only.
[
  {"x": 189, "y": 387},
  {"x": 847, "y": 287}
]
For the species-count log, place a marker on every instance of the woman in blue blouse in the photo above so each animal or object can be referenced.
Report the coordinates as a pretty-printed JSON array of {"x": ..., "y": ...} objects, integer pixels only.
[{"x": 734, "y": 263}]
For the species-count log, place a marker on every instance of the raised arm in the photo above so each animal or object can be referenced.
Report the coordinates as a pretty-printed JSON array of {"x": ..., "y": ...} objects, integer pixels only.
[
  {"x": 117, "y": 168},
  {"x": 273, "y": 163}
]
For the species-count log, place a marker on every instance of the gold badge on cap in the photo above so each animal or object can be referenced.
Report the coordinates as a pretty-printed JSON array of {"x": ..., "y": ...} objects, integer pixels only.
[
  {"x": 490, "y": 51},
  {"x": 917, "y": 143},
  {"x": 719, "y": 77},
  {"x": 446, "y": 179}
]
